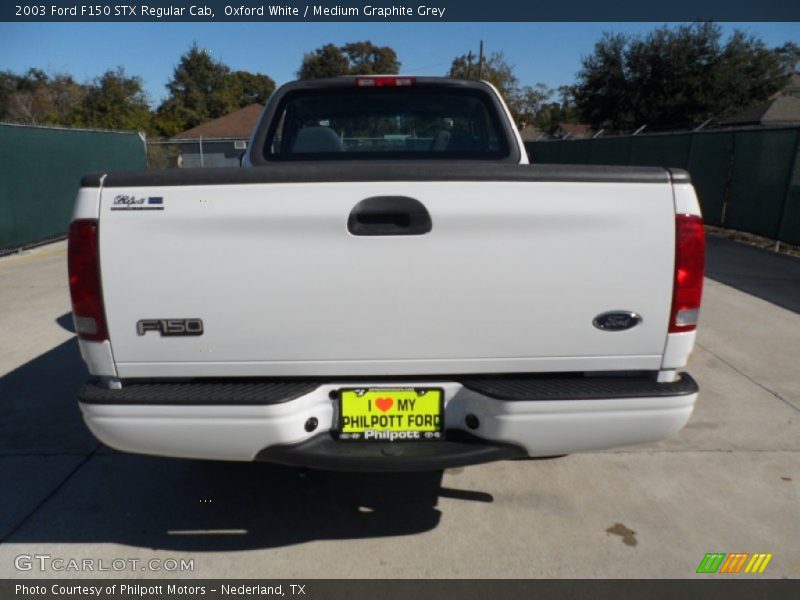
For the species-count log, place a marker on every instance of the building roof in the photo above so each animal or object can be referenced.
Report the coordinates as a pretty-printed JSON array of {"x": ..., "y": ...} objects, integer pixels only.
[
  {"x": 531, "y": 133},
  {"x": 575, "y": 130},
  {"x": 783, "y": 110},
  {"x": 793, "y": 87},
  {"x": 238, "y": 124}
]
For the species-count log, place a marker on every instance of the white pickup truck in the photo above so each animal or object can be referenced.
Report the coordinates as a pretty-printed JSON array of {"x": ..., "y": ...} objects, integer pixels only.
[{"x": 386, "y": 284}]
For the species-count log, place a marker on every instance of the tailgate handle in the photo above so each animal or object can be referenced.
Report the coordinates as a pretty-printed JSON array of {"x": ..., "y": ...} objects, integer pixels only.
[{"x": 389, "y": 215}]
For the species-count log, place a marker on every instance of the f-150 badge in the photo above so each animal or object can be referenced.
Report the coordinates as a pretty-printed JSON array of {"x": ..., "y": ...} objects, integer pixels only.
[{"x": 170, "y": 327}]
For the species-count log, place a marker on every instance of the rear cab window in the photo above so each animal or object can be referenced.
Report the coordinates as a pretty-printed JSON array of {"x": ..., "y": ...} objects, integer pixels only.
[{"x": 386, "y": 122}]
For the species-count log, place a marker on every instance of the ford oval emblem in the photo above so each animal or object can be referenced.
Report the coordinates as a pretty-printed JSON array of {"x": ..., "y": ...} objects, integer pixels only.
[{"x": 616, "y": 320}]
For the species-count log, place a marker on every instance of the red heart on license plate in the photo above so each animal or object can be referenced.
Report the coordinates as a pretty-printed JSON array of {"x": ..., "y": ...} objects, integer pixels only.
[{"x": 384, "y": 404}]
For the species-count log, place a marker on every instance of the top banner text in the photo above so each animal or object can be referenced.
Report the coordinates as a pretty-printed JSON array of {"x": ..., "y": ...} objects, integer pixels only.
[{"x": 387, "y": 10}]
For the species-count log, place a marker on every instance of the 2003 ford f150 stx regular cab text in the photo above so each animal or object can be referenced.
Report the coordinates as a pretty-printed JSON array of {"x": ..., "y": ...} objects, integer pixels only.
[{"x": 386, "y": 284}]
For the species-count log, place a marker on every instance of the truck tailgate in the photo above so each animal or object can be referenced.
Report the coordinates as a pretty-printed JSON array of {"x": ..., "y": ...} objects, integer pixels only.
[{"x": 509, "y": 278}]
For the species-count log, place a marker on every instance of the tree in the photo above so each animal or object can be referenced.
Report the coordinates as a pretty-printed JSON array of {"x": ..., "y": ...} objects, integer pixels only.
[
  {"x": 545, "y": 107},
  {"x": 495, "y": 70},
  {"x": 365, "y": 58},
  {"x": 531, "y": 101},
  {"x": 327, "y": 61},
  {"x": 789, "y": 56},
  {"x": 37, "y": 97},
  {"x": 525, "y": 103},
  {"x": 115, "y": 101},
  {"x": 197, "y": 92},
  {"x": 678, "y": 76},
  {"x": 355, "y": 58},
  {"x": 250, "y": 88},
  {"x": 203, "y": 88}
]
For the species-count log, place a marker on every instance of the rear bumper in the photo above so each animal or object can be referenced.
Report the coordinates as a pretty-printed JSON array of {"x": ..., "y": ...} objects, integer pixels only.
[
  {"x": 517, "y": 416},
  {"x": 324, "y": 452}
]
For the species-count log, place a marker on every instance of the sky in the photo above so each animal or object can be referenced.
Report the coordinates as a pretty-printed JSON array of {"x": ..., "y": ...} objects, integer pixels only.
[{"x": 549, "y": 53}]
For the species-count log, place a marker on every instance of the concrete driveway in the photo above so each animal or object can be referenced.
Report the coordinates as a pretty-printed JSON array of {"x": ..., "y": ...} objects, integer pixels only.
[{"x": 730, "y": 482}]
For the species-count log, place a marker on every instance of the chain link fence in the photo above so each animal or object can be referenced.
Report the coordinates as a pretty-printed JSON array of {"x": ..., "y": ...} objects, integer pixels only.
[{"x": 195, "y": 153}]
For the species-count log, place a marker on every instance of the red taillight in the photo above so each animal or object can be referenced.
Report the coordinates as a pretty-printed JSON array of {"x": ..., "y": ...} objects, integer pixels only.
[
  {"x": 690, "y": 253},
  {"x": 84, "y": 281},
  {"x": 384, "y": 81}
]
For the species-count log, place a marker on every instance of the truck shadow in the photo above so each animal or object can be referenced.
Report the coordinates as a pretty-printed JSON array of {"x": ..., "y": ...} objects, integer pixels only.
[
  {"x": 66, "y": 323},
  {"x": 153, "y": 502}
]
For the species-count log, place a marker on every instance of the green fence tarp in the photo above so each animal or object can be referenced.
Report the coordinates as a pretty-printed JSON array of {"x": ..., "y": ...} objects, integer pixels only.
[
  {"x": 611, "y": 151},
  {"x": 790, "y": 226},
  {"x": 762, "y": 169},
  {"x": 710, "y": 163},
  {"x": 40, "y": 172},
  {"x": 747, "y": 180},
  {"x": 666, "y": 151}
]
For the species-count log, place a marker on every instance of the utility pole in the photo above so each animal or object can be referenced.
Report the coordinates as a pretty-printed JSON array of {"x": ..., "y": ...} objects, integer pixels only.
[
  {"x": 470, "y": 56},
  {"x": 480, "y": 61}
]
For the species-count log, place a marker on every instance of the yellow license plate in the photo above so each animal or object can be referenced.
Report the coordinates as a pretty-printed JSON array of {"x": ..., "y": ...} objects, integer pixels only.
[{"x": 391, "y": 415}]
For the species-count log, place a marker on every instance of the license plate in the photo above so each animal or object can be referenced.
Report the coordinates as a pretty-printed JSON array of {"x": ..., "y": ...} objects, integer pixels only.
[{"x": 391, "y": 415}]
